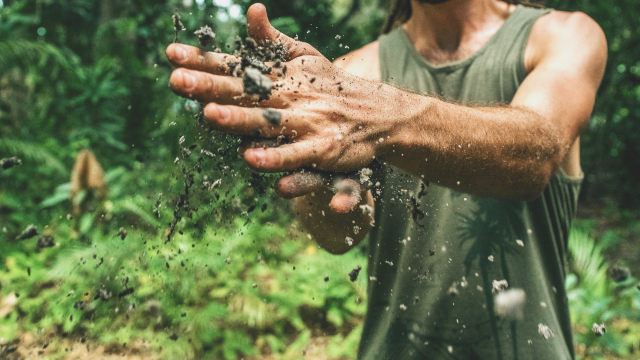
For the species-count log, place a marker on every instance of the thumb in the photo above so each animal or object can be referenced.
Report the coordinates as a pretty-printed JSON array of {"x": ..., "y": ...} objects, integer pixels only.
[{"x": 261, "y": 30}]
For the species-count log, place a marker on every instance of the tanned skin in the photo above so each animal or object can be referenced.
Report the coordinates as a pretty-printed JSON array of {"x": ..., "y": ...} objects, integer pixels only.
[{"x": 502, "y": 152}]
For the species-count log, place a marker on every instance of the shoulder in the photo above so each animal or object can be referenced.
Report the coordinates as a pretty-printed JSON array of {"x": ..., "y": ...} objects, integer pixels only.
[
  {"x": 364, "y": 62},
  {"x": 566, "y": 36}
]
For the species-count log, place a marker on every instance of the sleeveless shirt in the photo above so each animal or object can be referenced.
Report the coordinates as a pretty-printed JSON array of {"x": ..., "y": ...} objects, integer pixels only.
[{"x": 438, "y": 258}]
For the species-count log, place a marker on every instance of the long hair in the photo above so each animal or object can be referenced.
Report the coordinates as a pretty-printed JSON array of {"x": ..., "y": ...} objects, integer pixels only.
[{"x": 400, "y": 12}]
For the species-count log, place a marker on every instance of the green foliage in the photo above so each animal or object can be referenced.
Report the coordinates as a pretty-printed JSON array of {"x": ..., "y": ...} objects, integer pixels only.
[
  {"x": 84, "y": 74},
  {"x": 612, "y": 142},
  {"x": 595, "y": 298}
]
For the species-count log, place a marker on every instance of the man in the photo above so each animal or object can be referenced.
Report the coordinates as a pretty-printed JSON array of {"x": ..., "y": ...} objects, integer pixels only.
[{"x": 496, "y": 97}]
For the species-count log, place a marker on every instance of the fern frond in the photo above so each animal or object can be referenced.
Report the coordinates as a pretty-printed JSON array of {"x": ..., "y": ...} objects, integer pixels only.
[
  {"x": 28, "y": 53},
  {"x": 32, "y": 152}
]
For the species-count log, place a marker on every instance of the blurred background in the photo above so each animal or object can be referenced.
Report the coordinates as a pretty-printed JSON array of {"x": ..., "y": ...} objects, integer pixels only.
[{"x": 113, "y": 164}]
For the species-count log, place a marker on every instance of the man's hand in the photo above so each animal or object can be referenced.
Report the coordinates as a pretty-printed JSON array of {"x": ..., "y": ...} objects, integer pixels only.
[{"x": 329, "y": 120}]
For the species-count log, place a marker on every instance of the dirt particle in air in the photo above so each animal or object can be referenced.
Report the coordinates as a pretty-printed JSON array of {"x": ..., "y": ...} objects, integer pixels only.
[
  {"x": 453, "y": 290},
  {"x": 509, "y": 304},
  {"x": 177, "y": 24},
  {"x": 544, "y": 331},
  {"x": 353, "y": 275},
  {"x": 8, "y": 163},
  {"x": 326, "y": 279},
  {"x": 122, "y": 233},
  {"x": 29, "y": 232},
  {"x": 45, "y": 241},
  {"x": 205, "y": 36},
  {"x": 126, "y": 292},
  {"x": 174, "y": 337},
  {"x": 618, "y": 273},
  {"x": 273, "y": 117},
  {"x": 598, "y": 330},
  {"x": 499, "y": 285}
]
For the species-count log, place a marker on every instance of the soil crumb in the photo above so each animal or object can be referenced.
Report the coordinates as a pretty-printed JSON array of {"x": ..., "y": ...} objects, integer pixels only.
[
  {"x": 353, "y": 275},
  {"x": 256, "y": 84},
  {"x": 8, "y": 163},
  {"x": 544, "y": 331},
  {"x": 272, "y": 116},
  {"x": 122, "y": 233},
  {"x": 618, "y": 273},
  {"x": 598, "y": 330},
  {"x": 45, "y": 241},
  {"x": 28, "y": 233},
  {"x": 205, "y": 36}
]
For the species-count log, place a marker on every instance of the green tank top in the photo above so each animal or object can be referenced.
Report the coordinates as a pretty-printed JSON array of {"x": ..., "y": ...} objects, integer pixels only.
[{"x": 435, "y": 255}]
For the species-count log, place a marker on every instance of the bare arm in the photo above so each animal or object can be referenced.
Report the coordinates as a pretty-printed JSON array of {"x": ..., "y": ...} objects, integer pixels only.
[
  {"x": 512, "y": 151},
  {"x": 339, "y": 122}
]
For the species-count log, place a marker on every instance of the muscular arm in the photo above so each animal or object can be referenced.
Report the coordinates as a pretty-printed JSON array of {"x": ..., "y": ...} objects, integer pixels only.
[
  {"x": 509, "y": 152},
  {"x": 338, "y": 122}
]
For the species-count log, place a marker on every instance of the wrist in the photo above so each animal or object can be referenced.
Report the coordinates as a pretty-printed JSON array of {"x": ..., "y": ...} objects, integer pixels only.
[{"x": 406, "y": 121}]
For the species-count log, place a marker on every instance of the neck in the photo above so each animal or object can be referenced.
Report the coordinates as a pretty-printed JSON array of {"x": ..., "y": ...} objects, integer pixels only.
[{"x": 448, "y": 26}]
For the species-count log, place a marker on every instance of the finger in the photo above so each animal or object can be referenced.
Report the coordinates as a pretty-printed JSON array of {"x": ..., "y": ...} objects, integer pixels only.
[
  {"x": 206, "y": 87},
  {"x": 287, "y": 157},
  {"x": 191, "y": 57},
  {"x": 249, "y": 121},
  {"x": 261, "y": 30},
  {"x": 301, "y": 183},
  {"x": 347, "y": 197}
]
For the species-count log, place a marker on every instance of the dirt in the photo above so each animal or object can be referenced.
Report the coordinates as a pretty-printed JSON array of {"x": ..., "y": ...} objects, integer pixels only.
[
  {"x": 256, "y": 84},
  {"x": 177, "y": 24},
  {"x": 273, "y": 117},
  {"x": 599, "y": 330},
  {"x": 29, "y": 232},
  {"x": 618, "y": 273},
  {"x": 205, "y": 36},
  {"x": 122, "y": 233},
  {"x": 8, "y": 163},
  {"x": 45, "y": 241},
  {"x": 38, "y": 346},
  {"x": 353, "y": 275},
  {"x": 253, "y": 65}
]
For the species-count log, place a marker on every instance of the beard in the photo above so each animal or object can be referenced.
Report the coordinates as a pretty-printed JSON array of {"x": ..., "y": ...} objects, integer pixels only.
[{"x": 432, "y": 2}]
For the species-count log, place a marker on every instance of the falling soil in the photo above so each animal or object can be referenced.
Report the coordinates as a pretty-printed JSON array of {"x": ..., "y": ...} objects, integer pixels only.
[
  {"x": 8, "y": 163},
  {"x": 618, "y": 273},
  {"x": 205, "y": 36},
  {"x": 45, "y": 241},
  {"x": 353, "y": 275},
  {"x": 598, "y": 330},
  {"x": 29, "y": 232}
]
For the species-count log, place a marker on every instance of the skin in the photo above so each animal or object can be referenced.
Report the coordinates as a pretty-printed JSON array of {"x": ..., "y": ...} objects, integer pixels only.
[{"x": 502, "y": 152}]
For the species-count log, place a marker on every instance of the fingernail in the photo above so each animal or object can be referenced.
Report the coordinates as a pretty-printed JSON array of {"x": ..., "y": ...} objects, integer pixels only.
[
  {"x": 179, "y": 53},
  {"x": 188, "y": 80}
]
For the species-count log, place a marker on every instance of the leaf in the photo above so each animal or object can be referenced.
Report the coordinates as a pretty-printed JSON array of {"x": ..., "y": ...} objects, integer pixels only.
[{"x": 32, "y": 152}]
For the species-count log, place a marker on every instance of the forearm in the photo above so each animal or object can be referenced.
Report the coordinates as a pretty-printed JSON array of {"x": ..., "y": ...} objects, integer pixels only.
[
  {"x": 499, "y": 152},
  {"x": 329, "y": 229}
]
